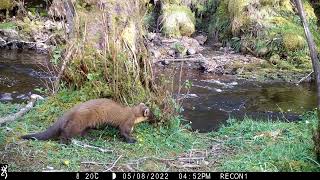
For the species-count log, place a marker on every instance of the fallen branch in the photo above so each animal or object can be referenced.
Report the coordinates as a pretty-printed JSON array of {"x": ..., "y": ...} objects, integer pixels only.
[
  {"x": 23, "y": 111},
  {"x": 304, "y": 78},
  {"x": 197, "y": 59},
  {"x": 93, "y": 162},
  {"x": 114, "y": 163},
  {"x": 83, "y": 145}
]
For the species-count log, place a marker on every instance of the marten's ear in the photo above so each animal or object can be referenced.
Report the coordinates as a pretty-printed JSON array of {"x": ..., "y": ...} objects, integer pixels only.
[
  {"x": 142, "y": 104},
  {"x": 146, "y": 112}
]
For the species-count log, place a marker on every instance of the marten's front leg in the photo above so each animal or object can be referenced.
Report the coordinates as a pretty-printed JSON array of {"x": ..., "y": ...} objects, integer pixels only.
[{"x": 125, "y": 131}]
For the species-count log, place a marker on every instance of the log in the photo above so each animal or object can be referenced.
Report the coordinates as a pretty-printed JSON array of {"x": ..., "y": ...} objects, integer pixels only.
[{"x": 22, "y": 111}]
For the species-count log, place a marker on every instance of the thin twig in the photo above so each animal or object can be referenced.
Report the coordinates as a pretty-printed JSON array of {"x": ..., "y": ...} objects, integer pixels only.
[
  {"x": 114, "y": 163},
  {"x": 94, "y": 163},
  {"x": 65, "y": 62},
  {"x": 81, "y": 144}
]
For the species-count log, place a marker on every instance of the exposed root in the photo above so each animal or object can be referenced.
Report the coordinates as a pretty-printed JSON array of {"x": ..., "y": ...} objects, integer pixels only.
[
  {"x": 83, "y": 145},
  {"x": 22, "y": 111}
]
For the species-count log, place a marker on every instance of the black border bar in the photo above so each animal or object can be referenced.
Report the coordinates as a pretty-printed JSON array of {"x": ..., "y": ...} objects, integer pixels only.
[{"x": 159, "y": 175}]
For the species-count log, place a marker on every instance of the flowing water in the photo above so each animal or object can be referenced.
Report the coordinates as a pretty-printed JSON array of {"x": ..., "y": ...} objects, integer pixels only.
[
  {"x": 212, "y": 99},
  {"x": 21, "y": 72},
  {"x": 210, "y": 102}
]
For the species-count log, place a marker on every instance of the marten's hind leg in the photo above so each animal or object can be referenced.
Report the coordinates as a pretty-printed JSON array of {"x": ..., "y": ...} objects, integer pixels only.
[
  {"x": 68, "y": 133},
  {"x": 85, "y": 132},
  {"x": 65, "y": 138}
]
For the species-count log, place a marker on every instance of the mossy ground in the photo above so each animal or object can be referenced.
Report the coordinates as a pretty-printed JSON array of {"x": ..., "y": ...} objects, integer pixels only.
[{"x": 246, "y": 145}]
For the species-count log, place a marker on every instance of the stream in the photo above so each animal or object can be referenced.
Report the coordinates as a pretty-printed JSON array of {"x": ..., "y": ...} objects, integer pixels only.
[
  {"x": 21, "y": 73},
  {"x": 211, "y": 100}
]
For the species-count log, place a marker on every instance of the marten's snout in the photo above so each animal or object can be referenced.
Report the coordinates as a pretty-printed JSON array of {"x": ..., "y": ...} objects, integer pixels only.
[{"x": 147, "y": 113}]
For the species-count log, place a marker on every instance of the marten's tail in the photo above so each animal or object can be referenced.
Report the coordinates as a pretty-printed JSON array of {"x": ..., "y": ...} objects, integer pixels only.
[{"x": 52, "y": 132}]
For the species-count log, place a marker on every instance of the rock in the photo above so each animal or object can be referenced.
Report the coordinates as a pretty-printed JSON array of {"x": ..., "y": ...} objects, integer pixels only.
[
  {"x": 275, "y": 59},
  {"x": 165, "y": 62},
  {"x": 6, "y": 4},
  {"x": 49, "y": 25},
  {"x": 171, "y": 52},
  {"x": 178, "y": 21},
  {"x": 263, "y": 51},
  {"x": 156, "y": 54},
  {"x": 9, "y": 34},
  {"x": 151, "y": 36},
  {"x": 293, "y": 42},
  {"x": 2, "y": 42},
  {"x": 191, "y": 51},
  {"x": 157, "y": 41},
  {"x": 6, "y": 97},
  {"x": 59, "y": 25},
  {"x": 217, "y": 45},
  {"x": 201, "y": 39},
  {"x": 41, "y": 47},
  {"x": 189, "y": 42}
]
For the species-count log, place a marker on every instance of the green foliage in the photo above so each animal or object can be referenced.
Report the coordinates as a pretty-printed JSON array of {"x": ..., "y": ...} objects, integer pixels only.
[
  {"x": 8, "y": 25},
  {"x": 270, "y": 146},
  {"x": 149, "y": 19},
  {"x": 179, "y": 47},
  {"x": 267, "y": 28},
  {"x": 162, "y": 142},
  {"x": 56, "y": 55}
]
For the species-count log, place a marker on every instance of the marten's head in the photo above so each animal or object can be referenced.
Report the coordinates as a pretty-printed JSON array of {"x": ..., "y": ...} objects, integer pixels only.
[{"x": 143, "y": 113}]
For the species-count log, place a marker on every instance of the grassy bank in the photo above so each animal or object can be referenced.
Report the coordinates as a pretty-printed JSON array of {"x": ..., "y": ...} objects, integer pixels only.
[{"x": 238, "y": 146}]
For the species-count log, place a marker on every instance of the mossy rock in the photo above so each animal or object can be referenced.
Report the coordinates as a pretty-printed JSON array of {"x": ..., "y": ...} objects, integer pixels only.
[
  {"x": 293, "y": 42},
  {"x": 6, "y": 4},
  {"x": 269, "y": 2},
  {"x": 272, "y": 25},
  {"x": 178, "y": 21}
]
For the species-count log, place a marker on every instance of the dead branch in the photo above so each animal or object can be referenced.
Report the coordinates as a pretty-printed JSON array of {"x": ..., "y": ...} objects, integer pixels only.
[
  {"x": 114, "y": 163},
  {"x": 83, "y": 145},
  {"x": 304, "y": 78},
  {"x": 63, "y": 67},
  {"x": 23, "y": 111},
  {"x": 196, "y": 59}
]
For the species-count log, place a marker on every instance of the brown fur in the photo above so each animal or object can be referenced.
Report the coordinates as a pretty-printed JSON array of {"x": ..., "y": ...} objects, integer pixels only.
[{"x": 91, "y": 114}]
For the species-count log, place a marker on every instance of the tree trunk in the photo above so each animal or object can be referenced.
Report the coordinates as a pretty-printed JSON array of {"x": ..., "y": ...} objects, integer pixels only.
[{"x": 316, "y": 70}]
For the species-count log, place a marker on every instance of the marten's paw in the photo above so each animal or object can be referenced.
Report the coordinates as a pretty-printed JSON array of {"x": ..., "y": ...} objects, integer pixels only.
[{"x": 131, "y": 140}]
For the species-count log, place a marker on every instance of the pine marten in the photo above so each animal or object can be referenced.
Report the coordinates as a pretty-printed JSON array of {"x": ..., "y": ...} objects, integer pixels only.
[{"x": 92, "y": 114}]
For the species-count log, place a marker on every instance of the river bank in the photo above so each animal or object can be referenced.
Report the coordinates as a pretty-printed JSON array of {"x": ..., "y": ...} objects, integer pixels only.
[{"x": 241, "y": 145}]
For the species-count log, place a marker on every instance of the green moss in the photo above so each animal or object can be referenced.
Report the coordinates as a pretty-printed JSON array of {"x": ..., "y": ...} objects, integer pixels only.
[
  {"x": 293, "y": 42},
  {"x": 265, "y": 27},
  {"x": 178, "y": 21},
  {"x": 8, "y": 25},
  {"x": 6, "y": 4}
]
